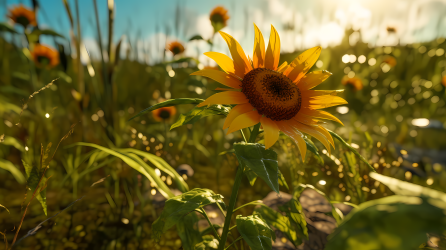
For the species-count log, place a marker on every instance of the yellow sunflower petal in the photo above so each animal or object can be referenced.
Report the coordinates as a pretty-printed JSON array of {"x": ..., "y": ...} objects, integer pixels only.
[
  {"x": 236, "y": 111},
  {"x": 327, "y": 135},
  {"x": 272, "y": 55},
  {"x": 271, "y": 131},
  {"x": 319, "y": 114},
  {"x": 245, "y": 120},
  {"x": 313, "y": 79},
  {"x": 258, "y": 56},
  {"x": 226, "y": 63},
  {"x": 305, "y": 119},
  {"x": 295, "y": 135},
  {"x": 300, "y": 66},
  {"x": 324, "y": 101},
  {"x": 220, "y": 77},
  {"x": 312, "y": 93},
  {"x": 283, "y": 67},
  {"x": 313, "y": 132},
  {"x": 227, "y": 97},
  {"x": 238, "y": 55}
]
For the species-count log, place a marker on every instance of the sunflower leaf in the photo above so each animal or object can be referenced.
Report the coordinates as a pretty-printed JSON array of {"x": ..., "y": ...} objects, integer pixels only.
[
  {"x": 199, "y": 112},
  {"x": 187, "y": 229},
  {"x": 177, "y": 207},
  {"x": 313, "y": 149},
  {"x": 384, "y": 224},
  {"x": 294, "y": 211},
  {"x": 283, "y": 224},
  {"x": 169, "y": 103},
  {"x": 208, "y": 243},
  {"x": 255, "y": 231},
  {"x": 263, "y": 162}
]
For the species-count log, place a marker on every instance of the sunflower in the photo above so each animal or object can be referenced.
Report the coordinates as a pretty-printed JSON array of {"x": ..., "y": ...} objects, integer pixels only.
[
  {"x": 279, "y": 97},
  {"x": 45, "y": 56},
  {"x": 22, "y": 15},
  {"x": 175, "y": 47},
  {"x": 390, "y": 60},
  {"x": 164, "y": 114},
  {"x": 354, "y": 82},
  {"x": 219, "y": 18}
]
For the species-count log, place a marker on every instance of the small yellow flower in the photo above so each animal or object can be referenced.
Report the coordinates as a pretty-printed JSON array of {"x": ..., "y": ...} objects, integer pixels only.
[
  {"x": 44, "y": 56},
  {"x": 175, "y": 47},
  {"x": 22, "y": 15},
  {"x": 354, "y": 82},
  {"x": 279, "y": 97},
  {"x": 219, "y": 18}
]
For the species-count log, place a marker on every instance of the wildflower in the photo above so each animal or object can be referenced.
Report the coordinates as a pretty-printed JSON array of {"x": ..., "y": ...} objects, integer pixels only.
[
  {"x": 219, "y": 17},
  {"x": 175, "y": 47},
  {"x": 391, "y": 29},
  {"x": 164, "y": 114},
  {"x": 279, "y": 97},
  {"x": 45, "y": 56},
  {"x": 354, "y": 82},
  {"x": 22, "y": 15},
  {"x": 390, "y": 60}
]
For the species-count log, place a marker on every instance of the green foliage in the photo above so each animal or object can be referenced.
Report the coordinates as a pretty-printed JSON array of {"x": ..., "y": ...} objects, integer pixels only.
[
  {"x": 8, "y": 166},
  {"x": 199, "y": 112},
  {"x": 313, "y": 149},
  {"x": 262, "y": 162},
  {"x": 395, "y": 222},
  {"x": 293, "y": 228},
  {"x": 34, "y": 175},
  {"x": 196, "y": 37},
  {"x": 187, "y": 229},
  {"x": 7, "y": 27},
  {"x": 255, "y": 231},
  {"x": 178, "y": 206},
  {"x": 293, "y": 210},
  {"x": 169, "y": 103},
  {"x": 208, "y": 243}
]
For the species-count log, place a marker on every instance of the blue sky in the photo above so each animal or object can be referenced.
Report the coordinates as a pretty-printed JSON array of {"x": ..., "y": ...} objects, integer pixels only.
[{"x": 316, "y": 22}]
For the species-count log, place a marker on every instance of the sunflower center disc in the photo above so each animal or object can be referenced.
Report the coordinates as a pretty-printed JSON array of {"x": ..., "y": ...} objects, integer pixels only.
[
  {"x": 272, "y": 94},
  {"x": 165, "y": 114}
]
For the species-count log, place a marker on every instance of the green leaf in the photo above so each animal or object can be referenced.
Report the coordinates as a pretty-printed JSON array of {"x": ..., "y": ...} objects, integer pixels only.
[
  {"x": 34, "y": 174},
  {"x": 263, "y": 162},
  {"x": 255, "y": 231},
  {"x": 208, "y": 243},
  {"x": 409, "y": 189},
  {"x": 136, "y": 163},
  {"x": 7, "y": 27},
  {"x": 335, "y": 212},
  {"x": 168, "y": 103},
  {"x": 199, "y": 112},
  {"x": 187, "y": 229},
  {"x": 280, "y": 222},
  {"x": 293, "y": 210},
  {"x": 395, "y": 222},
  {"x": 178, "y": 206},
  {"x": 8, "y": 166},
  {"x": 48, "y": 32},
  {"x": 196, "y": 37},
  {"x": 313, "y": 149},
  {"x": 162, "y": 165},
  {"x": 351, "y": 149}
]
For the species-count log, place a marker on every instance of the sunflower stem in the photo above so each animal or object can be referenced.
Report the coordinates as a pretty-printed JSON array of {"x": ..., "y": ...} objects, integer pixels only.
[
  {"x": 254, "y": 133},
  {"x": 230, "y": 210}
]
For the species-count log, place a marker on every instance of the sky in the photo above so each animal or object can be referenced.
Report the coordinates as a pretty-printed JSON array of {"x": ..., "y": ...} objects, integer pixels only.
[{"x": 316, "y": 22}]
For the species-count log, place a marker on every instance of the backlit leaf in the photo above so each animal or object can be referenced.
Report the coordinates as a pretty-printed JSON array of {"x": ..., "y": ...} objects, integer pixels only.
[
  {"x": 169, "y": 103},
  {"x": 187, "y": 229},
  {"x": 34, "y": 174},
  {"x": 178, "y": 206},
  {"x": 199, "y": 112},
  {"x": 255, "y": 231},
  {"x": 263, "y": 162},
  {"x": 208, "y": 243}
]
